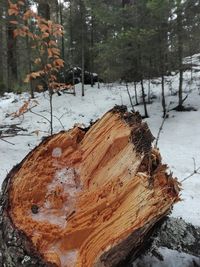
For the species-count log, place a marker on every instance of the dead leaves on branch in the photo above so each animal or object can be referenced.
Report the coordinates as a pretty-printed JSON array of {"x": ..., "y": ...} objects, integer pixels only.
[
  {"x": 13, "y": 9},
  {"x": 46, "y": 28},
  {"x": 34, "y": 75},
  {"x": 19, "y": 32},
  {"x": 58, "y": 63},
  {"x": 24, "y": 108},
  {"x": 53, "y": 52},
  {"x": 44, "y": 41},
  {"x": 29, "y": 14}
]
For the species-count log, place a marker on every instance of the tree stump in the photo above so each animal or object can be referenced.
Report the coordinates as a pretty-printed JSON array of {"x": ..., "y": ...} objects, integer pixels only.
[{"x": 85, "y": 197}]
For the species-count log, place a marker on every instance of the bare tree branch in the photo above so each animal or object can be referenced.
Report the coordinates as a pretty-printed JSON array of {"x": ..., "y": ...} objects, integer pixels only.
[
  {"x": 59, "y": 119},
  {"x": 195, "y": 171},
  {"x": 30, "y": 109},
  {"x": 162, "y": 124}
]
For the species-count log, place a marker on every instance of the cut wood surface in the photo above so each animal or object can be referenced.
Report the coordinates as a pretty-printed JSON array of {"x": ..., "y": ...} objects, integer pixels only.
[{"x": 86, "y": 198}]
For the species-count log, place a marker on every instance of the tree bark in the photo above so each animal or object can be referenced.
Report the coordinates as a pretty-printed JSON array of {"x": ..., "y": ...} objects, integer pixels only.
[
  {"x": 174, "y": 234},
  {"x": 86, "y": 197}
]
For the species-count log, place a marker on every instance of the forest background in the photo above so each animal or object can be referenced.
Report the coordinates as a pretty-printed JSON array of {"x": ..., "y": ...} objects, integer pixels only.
[{"x": 121, "y": 40}]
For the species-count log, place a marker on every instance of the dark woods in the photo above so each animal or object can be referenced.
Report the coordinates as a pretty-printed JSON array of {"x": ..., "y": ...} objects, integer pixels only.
[{"x": 127, "y": 40}]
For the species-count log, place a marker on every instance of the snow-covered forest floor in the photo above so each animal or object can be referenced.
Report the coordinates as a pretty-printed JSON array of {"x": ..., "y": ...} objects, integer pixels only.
[{"x": 179, "y": 140}]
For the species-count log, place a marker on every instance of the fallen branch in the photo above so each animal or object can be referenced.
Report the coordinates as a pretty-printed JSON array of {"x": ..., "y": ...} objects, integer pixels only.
[
  {"x": 24, "y": 108},
  {"x": 14, "y": 135},
  {"x": 9, "y": 125},
  {"x": 1, "y": 138},
  {"x": 11, "y": 130}
]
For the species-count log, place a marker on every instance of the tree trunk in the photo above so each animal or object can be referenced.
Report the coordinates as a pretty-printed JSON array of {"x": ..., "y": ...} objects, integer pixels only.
[
  {"x": 92, "y": 47},
  {"x": 149, "y": 91},
  {"x": 1, "y": 49},
  {"x": 144, "y": 100},
  {"x": 136, "y": 98},
  {"x": 125, "y": 2},
  {"x": 29, "y": 55},
  {"x": 180, "y": 90},
  {"x": 51, "y": 109},
  {"x": 2, "y": 85},
  {"x": 62, "y": 38},
  {"x": 82, "y": 48},
  {"x": 4, "y": 44},
  {"x": 11, "y": 56},
  {"x": 163, "y": 95},
  {"x": 71, "y": 37},
  {"x": 86, "y": 197},
  {"x": 83, "y": 68},
  {"x": 180, "y": 57},
  {"x": 44, "y": 9},
  {"x": 57, "y": 9}
]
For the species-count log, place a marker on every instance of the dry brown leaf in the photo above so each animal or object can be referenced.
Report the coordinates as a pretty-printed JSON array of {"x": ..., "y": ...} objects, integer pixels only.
[
  {"x": 37, "y": 61},
  {"x": 21, "y": 3}
]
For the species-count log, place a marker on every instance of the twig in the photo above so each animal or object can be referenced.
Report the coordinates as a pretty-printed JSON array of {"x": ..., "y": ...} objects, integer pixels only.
[
  {"x": 30, "y": 109},
  {"x": 185, "y": 98},
  {"x": 13, "y": 135},
  {"x": 195, "y": 171},
  {"x": 11, "y": 130},
  {"x": 59, "y": 119},
  {"x": 161, "y": 126},
  {"x": 9, "y": 125},
  {"x": 13, "y": 126},
  {"x": 6, "y": 141},
  {"x": 63, "y": 115},
  {"x": 129, "y": 95},
  {"x": 19, "y": 128}
]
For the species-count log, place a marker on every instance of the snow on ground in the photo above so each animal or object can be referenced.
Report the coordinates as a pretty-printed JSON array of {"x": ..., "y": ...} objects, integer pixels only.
[{"x": 179, "y": 140}]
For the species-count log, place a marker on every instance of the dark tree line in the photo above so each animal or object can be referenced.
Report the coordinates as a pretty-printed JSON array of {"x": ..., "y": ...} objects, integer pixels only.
[{"x": 127, "y": 40}]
